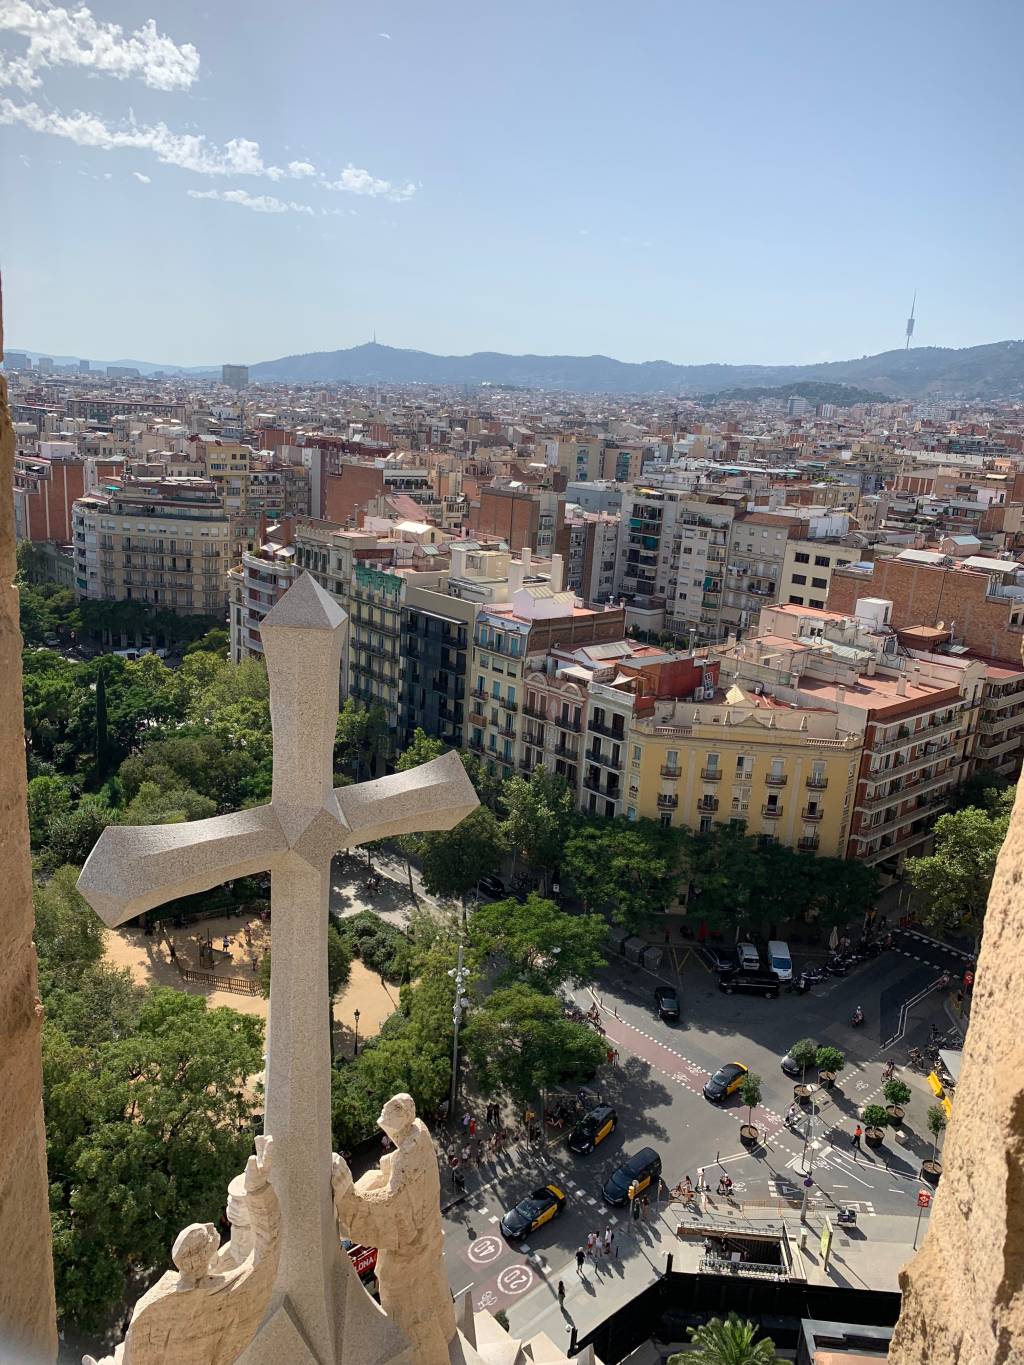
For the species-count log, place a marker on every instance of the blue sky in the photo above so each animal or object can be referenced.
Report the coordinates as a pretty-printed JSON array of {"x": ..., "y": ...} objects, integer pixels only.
[{"x": 660, "y": 179}]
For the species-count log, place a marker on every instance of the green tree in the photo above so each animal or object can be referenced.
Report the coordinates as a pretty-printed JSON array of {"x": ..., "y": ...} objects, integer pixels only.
[
  {"x": 519, "y": 1041},
  {"x": 830, "y": 1059},
  {"x": 538, "y": 814},
  {"x": 874, "y": 1116},
  {"x": 732, "y": 1342},
  {"x": 844, "y": 889},
  {"x": 486, "y": 783},
  {"x": 69, "y": 935},
  {"x": 725, "y": 869},
  {"x": 629, "y": 868},
  {"x": 539, "y": 942},
  {"x": 362, "y": 735},
  {"x": 750, "y": 1093},
  {"x": 72, "y": 836},
  {"x": 937, "y": 1122},
  {"x": 453, "y": 861},
  {"x": 101, "y": 750},
  {"x": 897, "y": 1093},
  {"x": 155, "y": 805},
  {"x": 215, "y": 641},
  {"x": 48, "y": 798},
  {"x": 339, "y": 969},
  {"x": 804, "y": 1052},
  {"x": 143, "y": 1134},
  {"x": 953, "y": 881}
]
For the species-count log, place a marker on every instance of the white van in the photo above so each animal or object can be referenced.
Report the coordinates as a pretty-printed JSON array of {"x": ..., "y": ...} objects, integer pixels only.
[
  {"x": 750, "y": 958},
  {"x": 779, "y": 959}
]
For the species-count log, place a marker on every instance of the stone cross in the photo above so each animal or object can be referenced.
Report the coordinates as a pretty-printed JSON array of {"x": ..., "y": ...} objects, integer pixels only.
[{"x": 320, "y": 1312}]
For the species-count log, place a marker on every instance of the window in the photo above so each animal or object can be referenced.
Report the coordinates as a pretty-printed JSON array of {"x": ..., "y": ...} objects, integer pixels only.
[
  {"x": 800, "y": 578},
  {"x": 665, "y": 819},
  {"x": 637, "y": 753},
  {"x": 672, "y": 758},
  {"x": 712, "y": 763},
  {"x": 802, "y": 558},
  {"x": 796, "y": 601},
  {"x": 819, "y": 582},
  {"x": 706, "y": 823},
  {"x": 822, "y": 561},
  {"x": 631, "y": 812}
]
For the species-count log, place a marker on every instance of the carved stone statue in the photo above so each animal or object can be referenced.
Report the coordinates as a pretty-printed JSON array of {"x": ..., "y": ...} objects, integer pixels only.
[
  {"x": 397, "y": 1209},
  {"x": 207, "y": 1311}
]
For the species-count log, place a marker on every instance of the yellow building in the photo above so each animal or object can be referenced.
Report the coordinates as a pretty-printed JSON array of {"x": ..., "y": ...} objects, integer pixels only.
[{"x": 788, "y": 773}]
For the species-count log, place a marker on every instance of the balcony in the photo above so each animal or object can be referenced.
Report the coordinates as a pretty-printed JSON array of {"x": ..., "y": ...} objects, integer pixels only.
[
  {"x": 775, "y": 780},
  {"x": 534, "y": 737},
  {"x": 771, "y": 812},
  {"x": 477, "y": 717},
  {"x": 707, "y": 803},
  {"x": 564, "y": 750},
  {"x": 606, "y": 760},
  {"x": 808, "y": 843},
  {"x": 477, "y": 745},
  {"x": 667, "y": 802},
  {"x": 479, "y": 694},
  {"x": 709, "y": 774},
  {"x": 817, "y": 784},
  {"x": 670, "y": 772},
  {"x": 507, "y": 705},
  {"x": 610, "y": 731},
  {"x": 535, "y": 712},
  {"x": 567, "y": 723},
  {"x": 808, "y": 814}
]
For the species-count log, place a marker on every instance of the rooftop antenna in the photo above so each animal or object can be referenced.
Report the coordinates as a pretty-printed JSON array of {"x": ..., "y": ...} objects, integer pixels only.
[{"x": 910, "y": 322}]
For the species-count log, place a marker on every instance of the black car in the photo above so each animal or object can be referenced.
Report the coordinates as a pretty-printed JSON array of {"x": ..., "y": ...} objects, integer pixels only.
[
  {"x": 638, "y": 1171},
  {"x": 593, "y": 1128},
  {"x": 533, "y": 1212},
  {"x": 667, "y": 1001},
  {"x": 753, "y": 983},
  {"x": 492, "y": 886},
  {"x": 726, "y": 1081}
]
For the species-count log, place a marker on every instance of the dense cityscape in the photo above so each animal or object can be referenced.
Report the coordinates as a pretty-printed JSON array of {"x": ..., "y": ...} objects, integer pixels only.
[{"x": 737, "y": 683}]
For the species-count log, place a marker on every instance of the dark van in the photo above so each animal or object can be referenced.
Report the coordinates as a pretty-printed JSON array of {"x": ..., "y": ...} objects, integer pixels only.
[
  {"x": 752, "y": 983},
  {"x": 641, "y": 1170}
]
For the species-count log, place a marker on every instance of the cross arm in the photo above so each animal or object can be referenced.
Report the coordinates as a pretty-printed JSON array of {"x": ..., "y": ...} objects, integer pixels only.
[
  {"x": 135, "y": 868},
  {"x": 436, "y": 795}
]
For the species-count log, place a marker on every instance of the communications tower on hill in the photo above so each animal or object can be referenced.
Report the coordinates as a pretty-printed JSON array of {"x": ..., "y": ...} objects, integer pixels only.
[{"x": 910, "y": 322}]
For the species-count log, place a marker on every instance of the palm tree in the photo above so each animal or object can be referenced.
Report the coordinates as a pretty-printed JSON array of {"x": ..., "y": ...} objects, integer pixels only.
[{"x": 727, "y": 1343}]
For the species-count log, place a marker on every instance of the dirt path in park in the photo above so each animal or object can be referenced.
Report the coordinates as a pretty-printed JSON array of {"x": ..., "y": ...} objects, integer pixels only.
[{"x": 148, "y": 960}]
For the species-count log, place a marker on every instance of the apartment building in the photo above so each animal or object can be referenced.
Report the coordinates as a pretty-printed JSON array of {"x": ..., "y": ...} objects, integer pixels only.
[
  {"x": 979, "y": 601},
  {"x": 785, "y": 772},
  {"x": 806, "y": 573},
  {"x": 754, "y": 567},
  {"x": 255, "y": 584},
  {"x": 511, "y": 641},
  {"x": 162, "y": 541}
]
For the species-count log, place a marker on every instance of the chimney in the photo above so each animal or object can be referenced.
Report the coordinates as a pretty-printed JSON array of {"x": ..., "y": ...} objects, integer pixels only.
[
  {"x": 515, "y": 578},
  {"x": 901, "y": 687},
  {"x": 525, "y": 559},
  {"x": 286, "y": 529},
  {"x": 458, "y": 560},
  {"x": 840, "y": 695},
  {"x": 556, "y": 573}
]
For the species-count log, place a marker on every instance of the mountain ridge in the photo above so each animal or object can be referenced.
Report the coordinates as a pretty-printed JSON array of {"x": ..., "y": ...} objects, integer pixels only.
[{"x": 991, "y": 371}]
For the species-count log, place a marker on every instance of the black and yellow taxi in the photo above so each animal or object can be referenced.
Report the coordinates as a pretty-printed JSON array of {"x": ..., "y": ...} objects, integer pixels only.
[
  {"x": 593, "y": 1127},
  {"x": 726, "y": 1081},
  {"x": 533, "y": 1212},
  {"x": 636, "y": 1174}
]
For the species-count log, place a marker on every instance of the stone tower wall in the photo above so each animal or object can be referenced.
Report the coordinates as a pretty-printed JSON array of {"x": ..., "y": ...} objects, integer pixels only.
[
  {"x": 27, "y": 1317},
  {"x": 963, "y": 1292}
]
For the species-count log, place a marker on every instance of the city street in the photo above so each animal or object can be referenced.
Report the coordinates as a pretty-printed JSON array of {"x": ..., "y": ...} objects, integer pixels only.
[{"x": 656, "y": 1087}]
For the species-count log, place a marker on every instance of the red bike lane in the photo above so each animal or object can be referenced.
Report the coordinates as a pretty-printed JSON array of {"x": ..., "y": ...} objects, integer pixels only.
[{"x": 677, "y": 1067}]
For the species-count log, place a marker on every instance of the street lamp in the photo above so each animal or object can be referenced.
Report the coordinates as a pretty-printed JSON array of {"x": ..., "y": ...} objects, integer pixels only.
[
  {"x": 807, "y": 1160},
  {"x": 459, "y": 974},
  {"x": 355, "y": 1046}
]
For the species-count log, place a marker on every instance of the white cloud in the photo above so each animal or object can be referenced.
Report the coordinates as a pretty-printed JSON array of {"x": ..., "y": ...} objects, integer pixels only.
[
  {"x": 355, "y": 180},
  {"x": 142, "y": 179},
  {"x": 384, "y": 35},
  {"x": 61, "y": 37},
  {"x": 190, "y": 151},
  {"x": 258, "y": 203}
]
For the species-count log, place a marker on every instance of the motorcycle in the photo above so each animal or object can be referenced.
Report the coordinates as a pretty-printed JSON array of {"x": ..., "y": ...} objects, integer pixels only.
[
  {"x": 857, "y": 1018},
  {"x": 846, "y": 1216},
  {"x": 837, "y": 966},
  {"x": 800, "y": 986},
  {"x": 813, "y": 974}
]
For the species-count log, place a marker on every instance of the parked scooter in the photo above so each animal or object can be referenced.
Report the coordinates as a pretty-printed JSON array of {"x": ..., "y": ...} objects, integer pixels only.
[{"x": 800, "y": 985}]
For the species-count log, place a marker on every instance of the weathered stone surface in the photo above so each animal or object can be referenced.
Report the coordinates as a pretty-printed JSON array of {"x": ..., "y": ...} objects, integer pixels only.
[
  {"x": 27, "y": 1315},
  {"x": 964, "y": 1291}
]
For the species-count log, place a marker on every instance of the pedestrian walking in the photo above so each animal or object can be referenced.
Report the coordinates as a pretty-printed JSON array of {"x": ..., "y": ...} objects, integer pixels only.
[
  {"x": 635, "y": 1211},
  {"x": 687, "y": 1188},
  {"x": 645, "y": 1205},
  {"x": 465, "y": 1122},
  {"x": 591, "y": 1239},
  {"x": 581, "y": 1257},
  {"x": 887, "y": 1071},
  {"x": 467, "y": 1153},
  {"x": 606, "y": 1241},
  {"x": 792, "y": 1114},
  {"x": 702, "y": 1184},
  {"x": 472, "y": 1128},
  {"x": 561, "y": 1294},
  {"x": 855, "y": 1140}
]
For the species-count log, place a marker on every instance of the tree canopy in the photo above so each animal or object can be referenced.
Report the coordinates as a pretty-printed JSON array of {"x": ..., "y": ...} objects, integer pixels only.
[
  {"x": 629, "y": 868},
  {"x": 538, "y": 942},
  {"x": 453, "y": 861},
  {"x": 953, "y": 881}
]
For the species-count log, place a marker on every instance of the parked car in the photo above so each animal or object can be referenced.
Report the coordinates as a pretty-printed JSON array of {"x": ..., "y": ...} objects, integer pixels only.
[
  {"x": 750, "y": 958},
  {"x": 755, "y": 983},
  {"x": 667, "y": 1000},
  {"x": 597, "y": 1124},
  {"x": 492, "y": 886},
  {"x": 780, "y": 959},
  {"x": 533, "y": 1212},
  {"x": 720, "y": 959},
  {"x": 726, "y": 1081},
  {"x": 636, "y": 1171}
]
